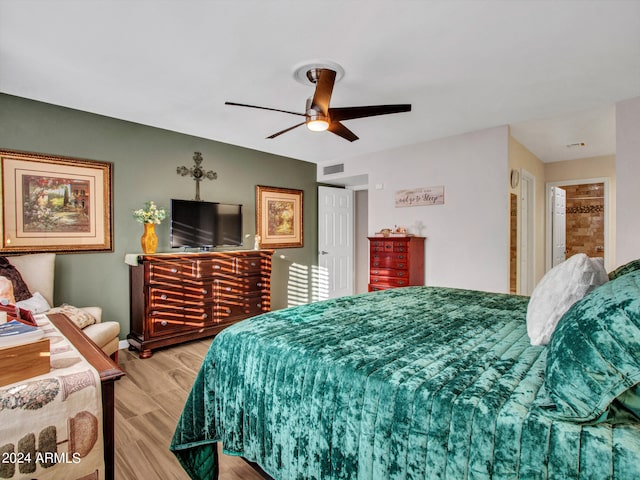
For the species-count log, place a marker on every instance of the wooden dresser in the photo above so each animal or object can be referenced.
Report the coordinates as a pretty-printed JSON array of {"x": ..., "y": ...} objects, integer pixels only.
[
  {"x": 179, "y": 297},
  {"x": 395, "y": 262}
]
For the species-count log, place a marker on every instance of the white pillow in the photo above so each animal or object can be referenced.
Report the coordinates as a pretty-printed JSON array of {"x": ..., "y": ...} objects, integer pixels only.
[
  {"x": 560, "y": 288},
  {"x": 36, "y": 304}
]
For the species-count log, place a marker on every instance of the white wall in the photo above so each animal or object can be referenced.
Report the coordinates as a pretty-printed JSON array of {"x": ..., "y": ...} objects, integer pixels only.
[
  {"x": 627, "y": 180},
  {"x": 468, "y": 237}
]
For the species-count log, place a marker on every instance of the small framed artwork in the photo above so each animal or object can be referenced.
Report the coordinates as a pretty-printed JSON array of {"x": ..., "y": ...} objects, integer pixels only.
[
  {"x": 55, "y": 204},
  {"x": 279, "y": 217}
]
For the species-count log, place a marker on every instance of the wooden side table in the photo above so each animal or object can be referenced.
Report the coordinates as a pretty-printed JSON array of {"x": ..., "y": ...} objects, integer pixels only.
[{"x": 108, "y": 371}]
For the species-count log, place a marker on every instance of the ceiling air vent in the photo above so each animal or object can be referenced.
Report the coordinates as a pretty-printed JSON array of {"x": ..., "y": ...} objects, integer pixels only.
[{"x": 339, "y": 168}]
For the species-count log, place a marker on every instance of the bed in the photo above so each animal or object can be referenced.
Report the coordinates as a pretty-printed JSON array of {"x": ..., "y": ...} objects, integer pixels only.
[{"x": 423, "y": 382}]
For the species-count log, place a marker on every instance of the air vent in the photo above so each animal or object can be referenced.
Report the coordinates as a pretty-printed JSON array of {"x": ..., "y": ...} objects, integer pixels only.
[{"x": 339, "y": 168}]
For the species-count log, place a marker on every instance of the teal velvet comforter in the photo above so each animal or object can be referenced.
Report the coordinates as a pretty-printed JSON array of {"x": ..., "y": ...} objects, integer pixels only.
[{"x": 412, "y": 383}]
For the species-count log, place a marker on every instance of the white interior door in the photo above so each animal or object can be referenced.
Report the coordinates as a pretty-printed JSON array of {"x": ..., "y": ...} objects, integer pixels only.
[
  {"x": 558, "y": 225},
  {"x": 335, "y": 242}
]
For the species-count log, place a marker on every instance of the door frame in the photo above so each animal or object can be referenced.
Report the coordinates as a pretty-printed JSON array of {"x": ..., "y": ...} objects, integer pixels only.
[
  {"x": 607, "y": 216},
  {"x": 526, "y": 278}
]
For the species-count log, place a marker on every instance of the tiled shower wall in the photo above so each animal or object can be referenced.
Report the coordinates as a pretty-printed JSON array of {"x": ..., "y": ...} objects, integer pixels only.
[{"x": 585, "y": 219}]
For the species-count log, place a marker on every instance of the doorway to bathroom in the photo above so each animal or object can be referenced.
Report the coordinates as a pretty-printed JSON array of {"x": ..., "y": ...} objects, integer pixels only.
[{"x": 586, "y": 227}]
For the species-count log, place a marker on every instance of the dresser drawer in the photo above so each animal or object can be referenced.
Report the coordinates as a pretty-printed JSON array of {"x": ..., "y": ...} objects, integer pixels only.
[
  {"x": 378, "y": 287},
  {"x": 171, "y": 271},
  {"x": 176, "y": 320},
  {"x": 256, "y": 305},
  {"x": 229, "y": 308},
  {"x": 382, "y": 246},
  {"x": 249, "y": 265},
  {"x": 164, "y": 295},
  {"x": 255, "y": 284},
  {"x": 388, "y": 281},
  {"x": 242, "y": 285},
  {"x": 211, "y": 267},
  {"x": 390, "y": 256},
  {"x": 395, "y": 261},
  {"x": 389, "y": 272},
  {"x": 241, "y": 307}
]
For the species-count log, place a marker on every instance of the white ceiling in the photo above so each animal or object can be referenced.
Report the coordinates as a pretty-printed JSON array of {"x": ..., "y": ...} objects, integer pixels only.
[{"x": 463, "y": 65}]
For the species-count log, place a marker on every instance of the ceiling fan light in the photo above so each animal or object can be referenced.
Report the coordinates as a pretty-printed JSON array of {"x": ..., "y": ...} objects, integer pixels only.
[{"x": 317, "y": 125}]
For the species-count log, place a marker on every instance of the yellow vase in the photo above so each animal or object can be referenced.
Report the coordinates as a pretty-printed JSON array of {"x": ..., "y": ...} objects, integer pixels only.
[{"x": 149, "y": 240}]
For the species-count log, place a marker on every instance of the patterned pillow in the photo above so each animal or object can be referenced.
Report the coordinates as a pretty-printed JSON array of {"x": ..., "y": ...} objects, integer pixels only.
[
  {"x": 20, "y": 289},
  {"x": 632, "y": 266},
  {"x": 592, "y": 357},
  {"x": 78, "y": 316}
]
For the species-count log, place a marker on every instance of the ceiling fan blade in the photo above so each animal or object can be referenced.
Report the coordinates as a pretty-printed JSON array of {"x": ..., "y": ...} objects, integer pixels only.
[
  {"x": 324, "y": 88},
  {"x": 263, "y": 108},
  {"x": 348, "y": 113},
  {"x": 285, "y": 130},
  {"x": 342, "y": 131}
]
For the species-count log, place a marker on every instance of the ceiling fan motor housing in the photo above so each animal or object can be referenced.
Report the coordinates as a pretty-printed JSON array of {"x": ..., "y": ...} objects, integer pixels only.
[
  {"x": 314, "y": 74},
  {"x": 318, "y": 115}
]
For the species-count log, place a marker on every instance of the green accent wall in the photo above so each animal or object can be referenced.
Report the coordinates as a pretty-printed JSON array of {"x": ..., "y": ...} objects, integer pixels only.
[{"x": 144, "y": 168}]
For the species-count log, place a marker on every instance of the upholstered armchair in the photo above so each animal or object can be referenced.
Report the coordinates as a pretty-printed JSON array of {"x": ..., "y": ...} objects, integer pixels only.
[{"x": 37, "y": 271}]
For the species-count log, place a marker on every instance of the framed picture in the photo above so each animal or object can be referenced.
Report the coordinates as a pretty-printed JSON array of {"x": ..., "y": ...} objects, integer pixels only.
[
  {"x": 279, "y": 217},
  {"x": 55, "y": 204}
]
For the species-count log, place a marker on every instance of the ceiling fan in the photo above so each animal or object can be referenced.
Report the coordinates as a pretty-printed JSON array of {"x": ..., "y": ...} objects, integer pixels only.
[{"x": 319, "y": 116}]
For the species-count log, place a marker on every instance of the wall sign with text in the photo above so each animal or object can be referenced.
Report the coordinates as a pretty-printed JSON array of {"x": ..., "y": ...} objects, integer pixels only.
[{"x": 420, "y": 196}]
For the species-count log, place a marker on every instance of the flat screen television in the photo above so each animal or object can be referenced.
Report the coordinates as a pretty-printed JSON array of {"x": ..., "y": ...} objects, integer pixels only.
[{"x": 198, "y": 224}]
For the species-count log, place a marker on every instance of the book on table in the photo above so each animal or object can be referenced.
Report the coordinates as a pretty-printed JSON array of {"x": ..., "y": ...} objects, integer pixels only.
[{"x": 15, "y": 332}]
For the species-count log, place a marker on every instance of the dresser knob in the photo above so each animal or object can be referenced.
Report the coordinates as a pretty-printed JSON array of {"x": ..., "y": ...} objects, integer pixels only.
[
  {"x": 259, "y": 305},
  {"x": 204, "y": 292},
  {"x": 401, "y": 265},
  {"x": 376, "y": 272},
  {"x": 400, "y": 256},
  {"x": 258, "y": 284},
  {"x": 253, "y": 264},
  {"x": 174, "y": 270},
  {"x": 228, "y": 289},
  {"x": 204, "y": 315},
  {"x": 216, "y": 267},
  {"x": 164, "y": 323},
  {"x": 163, "y": 296}
]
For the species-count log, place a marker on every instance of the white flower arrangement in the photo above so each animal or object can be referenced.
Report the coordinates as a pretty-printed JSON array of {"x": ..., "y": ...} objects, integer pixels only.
[{"x": 150, "y": 213}]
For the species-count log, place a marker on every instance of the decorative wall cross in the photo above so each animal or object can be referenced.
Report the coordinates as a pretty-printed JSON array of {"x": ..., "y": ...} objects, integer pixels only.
[{"x": 197, "y": 173}]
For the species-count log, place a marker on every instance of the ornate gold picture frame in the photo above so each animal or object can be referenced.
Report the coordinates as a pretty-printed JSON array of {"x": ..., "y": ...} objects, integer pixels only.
[
  {"x": 55, "y": 204},
  {"x": 279, "y": 217}
]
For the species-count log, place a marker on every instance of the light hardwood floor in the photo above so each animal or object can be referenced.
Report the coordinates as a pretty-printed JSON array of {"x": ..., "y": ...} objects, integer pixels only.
[{"x": 149, "y": 400}]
